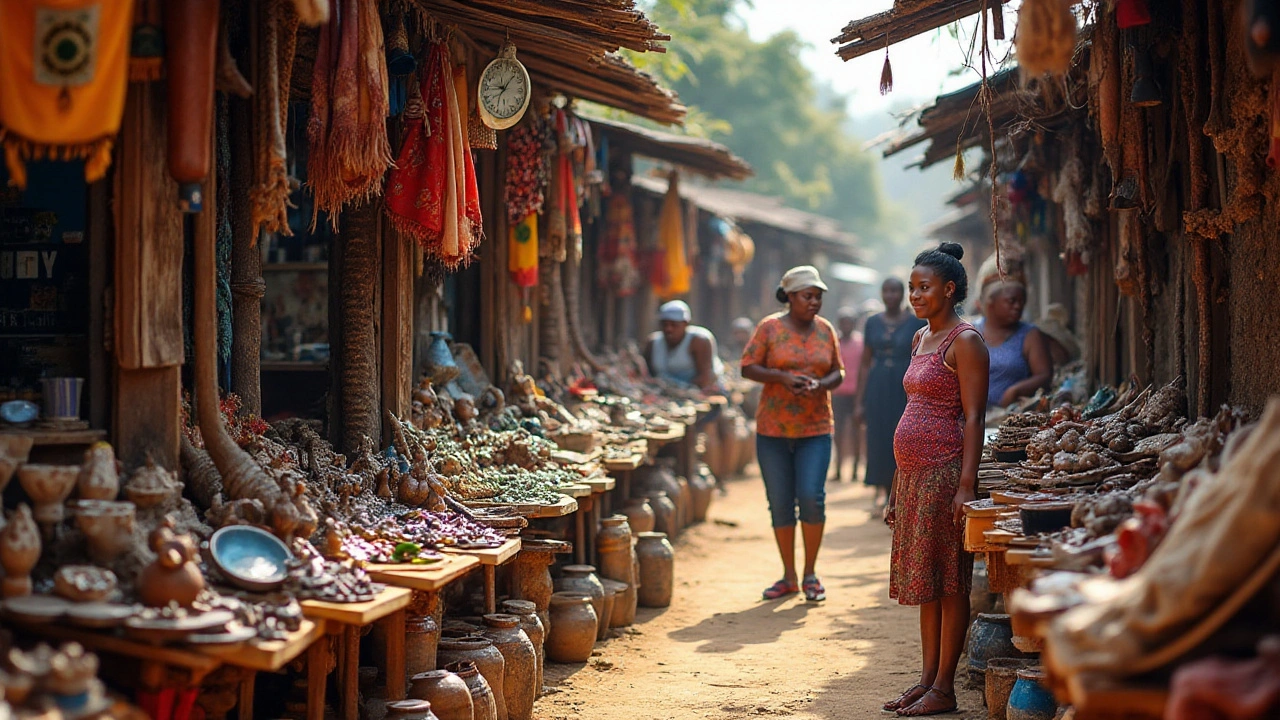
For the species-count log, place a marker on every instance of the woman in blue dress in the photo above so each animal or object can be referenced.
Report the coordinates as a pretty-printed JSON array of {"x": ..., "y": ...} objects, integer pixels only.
[{"x": 1020, "y": 362}]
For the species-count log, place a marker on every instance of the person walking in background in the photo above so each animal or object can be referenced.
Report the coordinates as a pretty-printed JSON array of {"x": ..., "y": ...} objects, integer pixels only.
[
  {"x": 880, "y": 400},
  {"x": 1020, "y": 363},
  {"x": 938, "y": 445},
  {"x": 796, "y": 356},
  {"x": 844, "y": 399}
]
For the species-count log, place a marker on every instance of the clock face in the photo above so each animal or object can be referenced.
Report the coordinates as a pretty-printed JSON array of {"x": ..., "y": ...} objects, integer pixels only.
[{"x": 504, "y": 89}]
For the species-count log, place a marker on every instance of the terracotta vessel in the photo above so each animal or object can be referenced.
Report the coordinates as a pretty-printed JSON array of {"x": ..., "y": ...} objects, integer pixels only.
[
  {"x": 422, "y": 637},
  {"x": 448, "y": 694},
  {"x": 48, "y": 487},
  {"x": 14, "y": 450},
  {"x": 151, "y": 485},
  {"x": 488, "y": 660},
  {"x": 583, "y": 579},
  {"x": 531, "y": 579},
  {"x": 537, "y": 634},
  {"x": 655, "y": 478},
  {"x": 107, "y": 525},
  {"x": 484, "y": 704},
  {"x": 684, "y": 504},
  {"x": 703, "y": 486},
  {"x": 657, "y": 570},
  {"x": 174, "y": 575},
  {"x": 520, "y": 675},
  {"x": 664, "y": 512},
  {"x": 620, "y": 594},
  {"x": 19, "y": 552},
  {"x": 574, "y": 625},
  {"x": 410, "y": 710},
  {"x": 639, "y": 515},
  {"x": 98, "y": 479},
  {"x": 990, "y": 636},
  {"x": 614, "y": 549}
]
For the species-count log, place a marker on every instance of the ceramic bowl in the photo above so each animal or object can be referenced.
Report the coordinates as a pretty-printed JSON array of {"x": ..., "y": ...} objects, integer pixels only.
[
  {"x": 48, "y": 486},
  {"x": 249, "y": 557},
  {"x": 19, "y": 412}
]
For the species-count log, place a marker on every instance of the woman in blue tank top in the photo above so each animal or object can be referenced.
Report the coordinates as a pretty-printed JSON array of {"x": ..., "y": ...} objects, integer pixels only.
[{"x": 1020, "y": 363}]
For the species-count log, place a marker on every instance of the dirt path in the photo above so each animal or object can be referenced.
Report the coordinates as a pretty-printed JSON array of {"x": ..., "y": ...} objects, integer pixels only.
[{"x": 719, "y": 652}]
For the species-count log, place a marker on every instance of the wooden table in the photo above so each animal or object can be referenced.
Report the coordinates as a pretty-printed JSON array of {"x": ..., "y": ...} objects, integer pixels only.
[
  {"x": 490, "y": 559},
  {"x": 564, "y": 506},
  {"x": 344, "y": 621},
  {"x": 425, "y": 578}
]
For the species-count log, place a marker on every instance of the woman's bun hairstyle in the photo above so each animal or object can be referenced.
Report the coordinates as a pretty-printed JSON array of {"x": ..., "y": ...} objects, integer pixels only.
[
  {"x": 782, "y": 296},
  {"x": 945, "y": 261}
]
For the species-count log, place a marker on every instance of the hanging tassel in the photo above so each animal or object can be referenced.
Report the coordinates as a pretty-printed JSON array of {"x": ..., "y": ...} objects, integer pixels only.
[
  {"x": 958, "y": 171},
  {"x": 886, "y": 75}
]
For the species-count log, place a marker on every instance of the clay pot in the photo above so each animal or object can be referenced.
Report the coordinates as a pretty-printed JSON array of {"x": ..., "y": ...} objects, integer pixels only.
[
  {"x": 574, "y": 625},
  {"x": 531, "y": 579},
  {"x": 1001, "y": 674},
  {"x": 990, "y": 636},
  {"x": 583, "y": 579},
  {"x": 19, "y": 552},
  {"x": 533, "y": 628},
  {"x": 639, "y": 515},
  {"x": 448, "y": 694},
  {"x": 520, "y": 675},
  {"x": 664, "y": 512},
  {"x": 1029, "y": 699},
  {"x": 657, "y": 570},
  {"x": 151, "y": 485},
  {"x": 484, "y": 705},
  {"x": 14, "y": 450},
  {"x": 107, "y": 525},
  {"x": 619, "y": 594},
  {"x": 48, "y": 487},
  {"x": 488, "y": 660},
  {"x": 410, "y": 710},
  {"x": 661, "y": 478},
  {"x": 422, "y": 637},
  {"x": 684, "y": 505},
  {"x": 174, "y": 576},
  {"x": 703, "y": 487},
  {"x": 98, "y": 478},
  {"x": 613, "y": 548}
]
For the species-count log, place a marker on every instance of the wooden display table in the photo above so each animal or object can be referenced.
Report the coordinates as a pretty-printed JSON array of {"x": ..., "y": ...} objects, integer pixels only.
[
  {"x": 490, "y": 559},
  {"x": 425, "y": 578},
  {"x": 658, "y": 439},
  {"x": 565, "y": 506}
]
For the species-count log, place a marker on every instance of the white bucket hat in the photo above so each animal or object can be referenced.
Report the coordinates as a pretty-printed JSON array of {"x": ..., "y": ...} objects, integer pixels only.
[{"x": 799, "y": 278}]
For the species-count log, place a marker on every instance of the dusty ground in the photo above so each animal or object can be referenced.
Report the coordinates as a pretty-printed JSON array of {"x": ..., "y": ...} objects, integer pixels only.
[{"x": 719, "y": 652}]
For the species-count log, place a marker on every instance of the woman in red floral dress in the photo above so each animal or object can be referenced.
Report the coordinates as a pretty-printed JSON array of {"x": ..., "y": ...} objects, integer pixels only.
[{"x": 937, "y": 447}]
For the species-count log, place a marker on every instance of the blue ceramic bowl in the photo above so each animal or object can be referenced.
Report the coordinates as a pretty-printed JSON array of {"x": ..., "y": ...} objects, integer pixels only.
[
  {"x": 249, "y": 557},
  {"x": 19, "y": 412}
]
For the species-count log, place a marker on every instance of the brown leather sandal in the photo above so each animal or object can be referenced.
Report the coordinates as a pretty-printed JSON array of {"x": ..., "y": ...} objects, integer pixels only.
[
  {"x": 908, "y": 697},
  {"x": 918, "y": 708}
]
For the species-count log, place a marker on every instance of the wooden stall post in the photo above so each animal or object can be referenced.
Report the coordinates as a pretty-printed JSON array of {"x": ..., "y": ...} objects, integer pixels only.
[
  {"x": 247, "y": 285},
  {"x": 397, "y": 325},
  {"x": 358, "y": 405}
]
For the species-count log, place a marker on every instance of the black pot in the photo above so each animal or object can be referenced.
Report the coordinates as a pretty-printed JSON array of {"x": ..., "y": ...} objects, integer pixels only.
[{"x": 1044, "y": 517}]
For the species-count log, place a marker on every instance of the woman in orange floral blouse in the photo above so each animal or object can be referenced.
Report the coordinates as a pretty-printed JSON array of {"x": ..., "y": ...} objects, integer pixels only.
[{"x": 795, "y": 354}]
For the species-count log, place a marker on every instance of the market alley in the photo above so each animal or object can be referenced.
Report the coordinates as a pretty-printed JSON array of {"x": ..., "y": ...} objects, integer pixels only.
[{"x": 719, "y": 652}]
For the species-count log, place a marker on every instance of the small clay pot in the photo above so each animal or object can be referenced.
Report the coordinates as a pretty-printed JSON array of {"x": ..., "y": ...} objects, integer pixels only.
[
  {"x": 1001, "y": 674},
  {"x": 484, "y": 704},
  {"x": 174, "y": 576},
  {"x": 1029, "y": 699},
  {"x": 410, "y": 710},
  {"x": 664, "y": 513},
  {"x": 583, "y": 579},
  {"x": 107, "y": 526},
  {"x": 574, "y": 625},
  {"x": 602, "y": 620},
  {"x": 98, "y": 478},
  {"x": 19, "y": 552},
  {"x": 520, "y": 675},
  {"x": 703, "y": 486},
  {"x": 422, "y": 637},
  {"x": 639, "y": 515},
  {"x": 657, "y": 570},
  {"x": 488, "y": 660},
  {"x": 533, "y": 628},
  {"x": 620, "y": 594},
  {"x": 448, "y": 694}
]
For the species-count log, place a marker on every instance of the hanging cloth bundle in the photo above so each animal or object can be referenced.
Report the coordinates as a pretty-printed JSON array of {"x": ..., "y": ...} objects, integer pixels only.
[
  {"x": 671, "y": 240},
  {"x": 269, "y": 198},
  {"x": 400, "y": 63},
  {"x": 63, "y": 74},
  {"x": 432, "y": 194},
  {"x": 618, "y": 269},
  {"x": 526, "y": 179},
  {"x": 347, "y": 132}
]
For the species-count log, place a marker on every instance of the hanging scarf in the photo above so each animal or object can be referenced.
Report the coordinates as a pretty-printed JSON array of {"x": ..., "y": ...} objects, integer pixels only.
[
  {"x": 63, "y": 74},
  {"x": 432, "y": 195},
  {"x": 347, "y": 133},
  {"x": 522, "y": 252},
  {"x": 674, "y": 261},
  {"x": 564, "y": 227},
  {"x": 526, "y": 177},
  {"x": 270, "y": 195},
  {"x": 619, "y": 270}
]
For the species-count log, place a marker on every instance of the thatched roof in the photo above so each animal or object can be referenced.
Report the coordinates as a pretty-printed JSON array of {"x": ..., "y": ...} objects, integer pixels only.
[
  {"x": 905, "y": 20},
  {"x": 570, "y": 46},
  {"x": 707, "y": 158}
]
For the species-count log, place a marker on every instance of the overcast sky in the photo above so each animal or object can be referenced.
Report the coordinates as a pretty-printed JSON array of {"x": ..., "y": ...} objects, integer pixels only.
[{"x": 920, "y": 65}]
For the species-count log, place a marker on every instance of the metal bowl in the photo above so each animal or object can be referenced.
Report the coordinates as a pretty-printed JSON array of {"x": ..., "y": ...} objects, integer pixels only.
[{"x": 249, "y": 557}]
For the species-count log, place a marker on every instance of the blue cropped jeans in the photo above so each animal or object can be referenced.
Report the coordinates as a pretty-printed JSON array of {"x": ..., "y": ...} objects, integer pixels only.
[{"x": 795, "y": 477}]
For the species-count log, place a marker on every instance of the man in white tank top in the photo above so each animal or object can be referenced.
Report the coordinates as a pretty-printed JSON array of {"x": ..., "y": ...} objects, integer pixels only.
[{"x": 681, "y": 353}]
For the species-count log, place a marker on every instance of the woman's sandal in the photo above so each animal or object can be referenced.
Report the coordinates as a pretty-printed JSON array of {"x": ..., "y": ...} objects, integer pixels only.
[
  {"x": 907, "y": 698},
  {"x": 924, "y": 711},
  {"x": 780, "y": 589},
  {"x": 813, "y": 590}
]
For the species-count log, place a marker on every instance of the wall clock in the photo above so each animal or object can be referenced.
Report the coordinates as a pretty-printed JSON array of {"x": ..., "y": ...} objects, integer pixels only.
[{"x": 504, "y": 90}]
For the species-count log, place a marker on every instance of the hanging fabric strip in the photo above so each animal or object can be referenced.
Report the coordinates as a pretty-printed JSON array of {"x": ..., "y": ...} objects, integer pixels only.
[
  {"x": 522, "y": 252},
  {"x": 269, "y": 197}
]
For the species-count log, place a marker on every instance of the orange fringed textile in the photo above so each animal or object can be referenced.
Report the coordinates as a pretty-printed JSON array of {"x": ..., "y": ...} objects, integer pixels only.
[
  {"x": 274, "y": 66},
  {"x": 64, "y": 69}
]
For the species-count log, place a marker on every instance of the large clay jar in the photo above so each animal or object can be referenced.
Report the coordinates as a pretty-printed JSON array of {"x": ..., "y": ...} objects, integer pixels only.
[
  {"x": 657, "y": 570},
  {"x": 1029, "y": 699},
  {"x": 583, "y": 579},
  {"x": 410, "y": 710},
  {"x": 533, "y": 628},
  {"x": 19, "y": 552},
  {"x": 574, "y": 626},
  {"x": 422, "y": 637},
  {"x": 664, "y": 512},
  {"x": 487, "y": 659},
  {"x": 614, "y": 549},
  {"x": 448, "y": 694},
  {"x": 618, "y": 594},
  {"x": 520, "y": 675},
  {"x": 990, "y": 636},
  {"x": 703, "y": 486},
  {"x": 639, "y": 515},
  {"x": 483, "y": 703}
]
